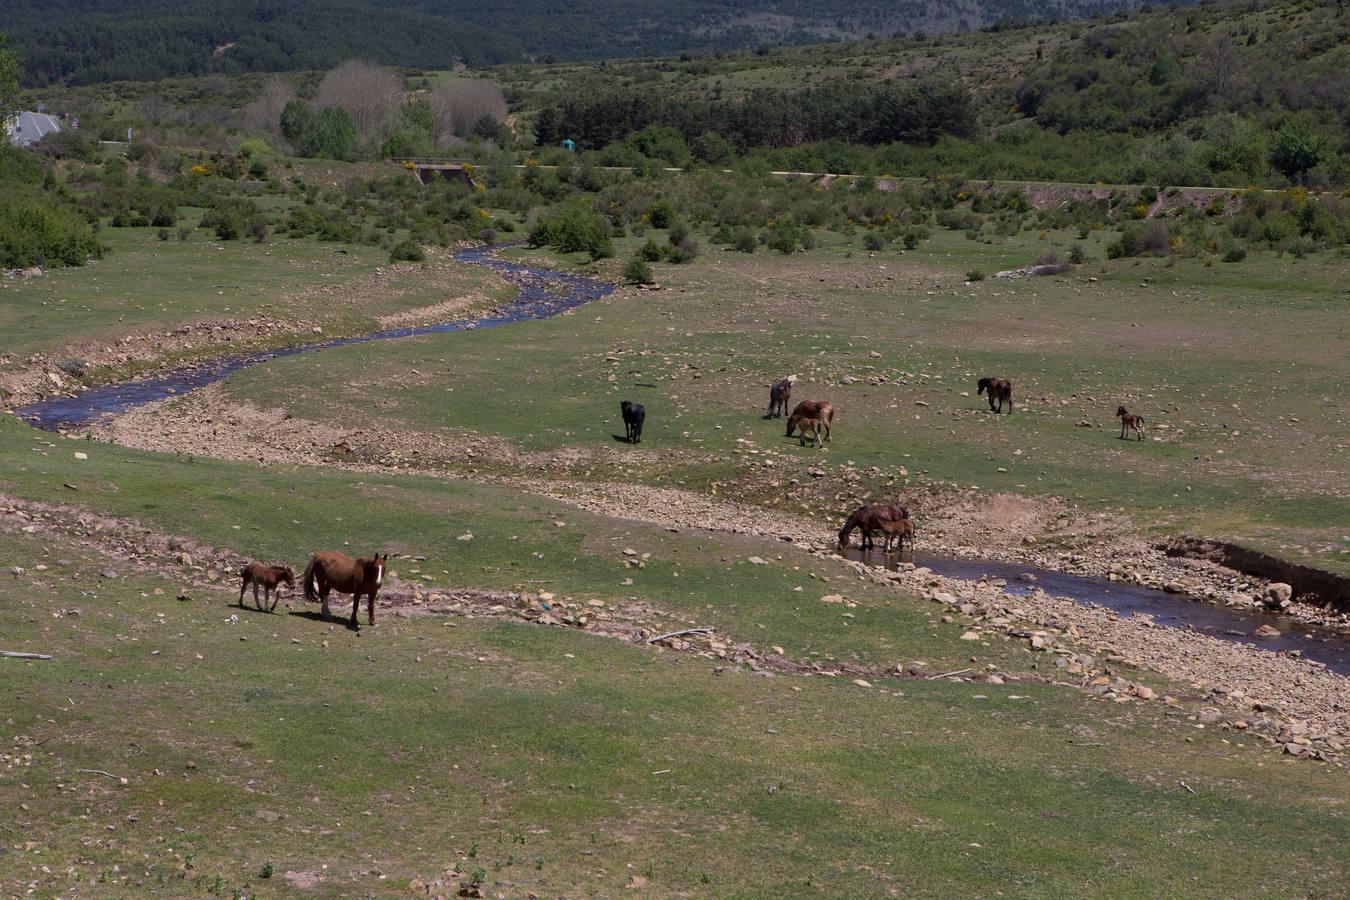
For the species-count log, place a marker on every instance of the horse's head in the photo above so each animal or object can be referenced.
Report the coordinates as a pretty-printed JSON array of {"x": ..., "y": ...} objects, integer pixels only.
[
  {"x": 792, "y": 424},
  {"x": 288, "y": 576},
  {"x": 984, "y": 384},
  {"x": 1121, "y": 412}
]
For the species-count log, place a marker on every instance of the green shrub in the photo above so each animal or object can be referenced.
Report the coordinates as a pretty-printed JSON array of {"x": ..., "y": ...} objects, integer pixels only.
[
  {"x": 786, "y": 235},
  {"x": 652, "y": 251},
  {"x": 232, "y": 218},
  {"x": 407, "y": 251},
  {"x": 683, "y": 252},
  {"x": 573, "y": 227},
  {"x": 638, "y": 270},
  {"x": 678, "y": 232},
  {"x": 661, "y": 214},
  {"x": 873, "y": 241},
  {"x": 1235, "y": 254},
  {"x": 744, "y": 240},
  {"x": 39, "y": 229},
  {"x": 974, "y": 275}
]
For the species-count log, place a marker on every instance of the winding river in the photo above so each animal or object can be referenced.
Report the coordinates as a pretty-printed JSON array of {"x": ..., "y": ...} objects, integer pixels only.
[{"x": 543, "y": 293}]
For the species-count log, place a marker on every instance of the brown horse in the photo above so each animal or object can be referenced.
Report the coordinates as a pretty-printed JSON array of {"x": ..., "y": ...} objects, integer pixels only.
[
  {"x": 820, "y": 410},
  {"x": 1000, "y": 390},
  {"x": 898, "y": 530},
  {"x": 814, "y": 427},
  {"x": 1129, "y": 421},
  {"x": 271, "y": 578},
  {"x": 779, "y": 395},
  {"x": 869, "y": 518},
  {"x": 336, "y": 571}
]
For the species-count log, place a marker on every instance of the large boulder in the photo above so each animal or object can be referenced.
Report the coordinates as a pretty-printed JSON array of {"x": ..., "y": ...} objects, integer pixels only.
[{"x": 1278, "y": 595}]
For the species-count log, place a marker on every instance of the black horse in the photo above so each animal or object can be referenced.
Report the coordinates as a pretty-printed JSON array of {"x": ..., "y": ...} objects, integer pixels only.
[{"x": 633, "y": 416}]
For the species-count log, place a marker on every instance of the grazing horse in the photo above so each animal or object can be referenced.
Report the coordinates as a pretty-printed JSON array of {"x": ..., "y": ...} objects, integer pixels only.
[
  {"x": 270, "y": 577},
  {"x": 331, "y": 570},
  {"x": 822, "y": 411},
  {"x": 1130, "y": 422},
  {"x": 869, "y": 518},
  {"x": 779, "y": 395},
  {"x": 898, "y": 530},
  {"x": 633, "y": 416},
  {"x": 1000, "y": 390}
]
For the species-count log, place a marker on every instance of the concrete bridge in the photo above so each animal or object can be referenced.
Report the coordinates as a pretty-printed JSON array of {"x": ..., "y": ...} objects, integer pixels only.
[{"x": 428, "y": 170}]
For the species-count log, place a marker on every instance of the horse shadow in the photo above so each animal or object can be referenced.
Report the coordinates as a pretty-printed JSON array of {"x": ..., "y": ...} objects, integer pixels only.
[
  {"x": 621, "y": 438},
  {"x": 316, "y": 615}
]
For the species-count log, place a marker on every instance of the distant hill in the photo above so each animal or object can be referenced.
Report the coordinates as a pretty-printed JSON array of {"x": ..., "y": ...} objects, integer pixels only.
[{"x": 87, "y": 41}]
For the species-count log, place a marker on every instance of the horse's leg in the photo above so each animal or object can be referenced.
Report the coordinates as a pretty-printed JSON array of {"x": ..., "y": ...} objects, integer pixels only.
[
  {"x": 242, "y": 587},
  {"x": 323, "y": 597},
  {"x": 356, "y": 605},
  {"x": 370, "y": 607},
  {"x": 255, "y": 596}
]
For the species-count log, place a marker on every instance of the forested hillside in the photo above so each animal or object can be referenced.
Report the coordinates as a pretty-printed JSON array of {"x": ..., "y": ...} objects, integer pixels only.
[{"x": 85, "y": 41}]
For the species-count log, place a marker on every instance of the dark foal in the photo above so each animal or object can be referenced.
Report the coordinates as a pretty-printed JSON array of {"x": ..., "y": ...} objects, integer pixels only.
[
  {"x": 1000, "y": 392},
  {"x": 270, "y": 578},
  {"x": 634, "y": 414},
  {"x": 1130, "y": 422},
  {"x": 331, "y": 570}
]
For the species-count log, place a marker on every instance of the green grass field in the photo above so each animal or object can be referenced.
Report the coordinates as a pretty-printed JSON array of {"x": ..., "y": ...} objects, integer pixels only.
[
  {"x": 145, "y": 284},
  {"x": 1233, "y": 367},
  {"x": 560, "y": 762},
  {"x": 555, "y": 762}
]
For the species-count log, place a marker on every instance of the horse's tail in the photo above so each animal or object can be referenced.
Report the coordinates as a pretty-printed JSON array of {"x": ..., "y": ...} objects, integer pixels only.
[{"x": 311, "y": 580}]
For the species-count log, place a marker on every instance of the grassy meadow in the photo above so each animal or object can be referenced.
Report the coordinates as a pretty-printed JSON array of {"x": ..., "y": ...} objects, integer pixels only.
[
  {"x": 551, "y": 761},
  {"x": 1232, "y": 365},
  {"x": 281, "y": 756}
]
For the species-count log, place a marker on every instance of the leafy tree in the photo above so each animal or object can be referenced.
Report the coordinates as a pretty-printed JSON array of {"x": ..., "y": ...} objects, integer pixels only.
[
  {"x": 1298, "y": 147},
  {"x": 572, "y": 227},
  {"x": 9, "y": 80},
  {"x": 327, "y": 134}
]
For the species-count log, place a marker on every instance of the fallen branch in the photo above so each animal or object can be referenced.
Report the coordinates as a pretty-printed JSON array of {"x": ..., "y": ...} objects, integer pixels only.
[
  {"x": 948, "y": 674},
  {"x": 19, "y": 654},
  {"x": 675, "y": 634},
  {"x": 1187, "y": 787},
  {"x": 98, "y": 772}
]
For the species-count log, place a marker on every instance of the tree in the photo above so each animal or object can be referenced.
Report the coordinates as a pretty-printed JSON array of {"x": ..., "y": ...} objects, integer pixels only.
[
  {"x": 263, "y": 115},
  {"x": 327, "y": 134},
  {"x": 365, "y": 91},
  {"x": 9, "y": 80},
  {"x": 1221, "y": 65},
  {"x": 1298, "y": 147},
  {"x": 461, "y": 104}
]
